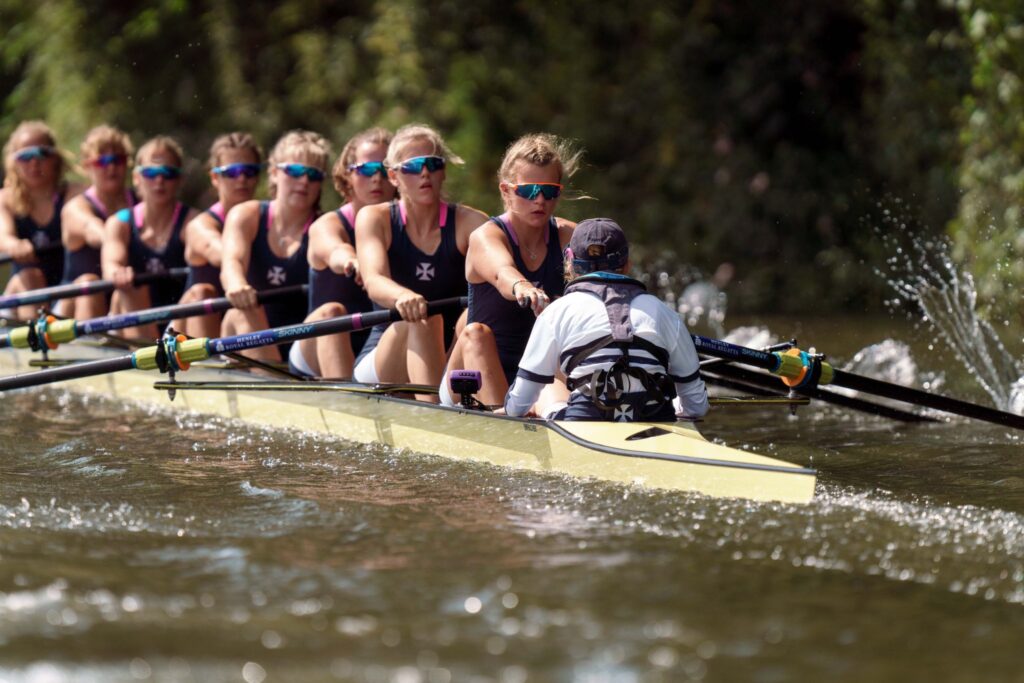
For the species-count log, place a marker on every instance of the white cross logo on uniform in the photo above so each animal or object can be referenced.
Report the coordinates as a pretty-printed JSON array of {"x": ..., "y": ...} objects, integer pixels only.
[
  {"x": 425, "y": 271},
  {"x": 624, "y": 413},
  {"x": 40, "y": 239},
  {"x": 276, "y": 275},
  {"x": 154, "y": 265}
]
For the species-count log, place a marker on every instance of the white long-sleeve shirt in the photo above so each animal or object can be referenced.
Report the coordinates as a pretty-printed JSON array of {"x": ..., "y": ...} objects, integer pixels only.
[{"x": 578, "y": 319}]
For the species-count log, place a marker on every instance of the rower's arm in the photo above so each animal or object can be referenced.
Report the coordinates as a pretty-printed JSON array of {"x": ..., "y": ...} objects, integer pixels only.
[
  {"x": 203, "y": 241},
  {"x": 489, "y": 259},
  {"x": 114, "y": 253},
  {"x": 80, "y": 226},
  {"x": 538, "y": 366},
  {"x": 684, "y": 369},
  {"x": 243, "y": 221},
  {"x": 373, "y": 237},
  {"x": 467, "y": 221},
  {"x": 8, "y": 233},
  {"x": 329, "y": 246}
]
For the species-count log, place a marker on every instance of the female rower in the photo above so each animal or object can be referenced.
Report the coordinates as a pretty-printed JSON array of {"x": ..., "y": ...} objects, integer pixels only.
[
  {"x": 626, "y": 355},
  {"x": 412, "y": 250},
  {"x": 31, "y": 200},
  {"x": 335, "y": 287},
  {"x": 265, "y": 242},
  {"x": 147, "y": 237},
  {"x": 104, "y": 158},
  {"x": 235, "y": 164},
  {"x": 514, "y": 264}
]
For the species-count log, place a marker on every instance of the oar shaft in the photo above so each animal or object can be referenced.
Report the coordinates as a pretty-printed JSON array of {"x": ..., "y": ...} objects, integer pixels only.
[
  {"x": 68, "y": 372},
  {"x": 37, "y": 296},
  {"x": 922, "y": 398}
]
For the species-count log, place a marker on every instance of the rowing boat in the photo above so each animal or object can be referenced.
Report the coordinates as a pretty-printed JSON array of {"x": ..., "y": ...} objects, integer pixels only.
[{"x": 670, "y": 456}]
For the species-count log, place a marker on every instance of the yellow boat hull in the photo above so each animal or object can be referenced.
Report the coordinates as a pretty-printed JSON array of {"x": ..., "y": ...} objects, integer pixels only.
[{"x": 663, "y": 455}]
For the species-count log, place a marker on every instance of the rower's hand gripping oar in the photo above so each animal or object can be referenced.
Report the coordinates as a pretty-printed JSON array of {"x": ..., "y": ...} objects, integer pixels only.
[
  {"x": 803, "y": 372},
  {"x": 48, "y": 332},
  {"x": 37, "y": 296},
  {"x": 178, "y": 353}
]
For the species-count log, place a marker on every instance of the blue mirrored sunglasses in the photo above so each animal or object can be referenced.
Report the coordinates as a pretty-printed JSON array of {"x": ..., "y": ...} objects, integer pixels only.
[
  {"x": 236, "y": 170},
  {"x": 35, "y": 152},
  {"x": 104, "y": 160},
  {"x": 531, "y": 190},
  {"x": 299, "y": 170},
  {"x": 162, "y": 171},
  {"x": 369, "y": 168},
  {"x": 416, "y": 164}
]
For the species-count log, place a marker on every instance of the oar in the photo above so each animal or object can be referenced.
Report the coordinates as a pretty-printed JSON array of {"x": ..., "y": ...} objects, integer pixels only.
[
  {"x": 175, "y": 354},
  {"x": 37, "y": 296},
  {"x": 39, "y": 251},
  {"x": 53, "y": 333},
  {"x": 803, "y": 372}
]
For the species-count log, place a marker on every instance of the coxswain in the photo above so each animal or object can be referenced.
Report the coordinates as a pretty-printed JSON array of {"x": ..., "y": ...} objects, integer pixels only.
[
  {"x": 626, "y": 355},
  {"x": 413, "y": 250},
  {"x": 335, "y": 288}
]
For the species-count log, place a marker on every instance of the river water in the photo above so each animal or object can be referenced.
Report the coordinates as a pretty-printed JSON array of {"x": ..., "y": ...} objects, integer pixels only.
[{"x": 142, "y": 545}]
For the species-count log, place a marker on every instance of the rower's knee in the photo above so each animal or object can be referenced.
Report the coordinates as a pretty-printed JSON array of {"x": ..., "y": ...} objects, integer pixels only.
[
  {"x": 198, "y": 292},
  {"x": 478, "y": 335},
  {"x": 331, "y": 309}
]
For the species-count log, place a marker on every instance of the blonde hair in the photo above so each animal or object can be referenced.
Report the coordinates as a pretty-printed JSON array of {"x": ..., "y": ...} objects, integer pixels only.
[
  {"x": 105, "y": 137},
  {"x": 541, "y": 149},
  {"x": 419, "y": 131},
  {"x": 20, "y": 202},
  {"x": 160, "y": 143},
  {"x": 236, "y": 140},
  {"x": 304, "y": 143},
  {"x": 339, "y": 174}
]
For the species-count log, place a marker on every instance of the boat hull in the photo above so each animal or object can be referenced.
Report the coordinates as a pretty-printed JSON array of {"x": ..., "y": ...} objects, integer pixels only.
[{"x": 664, "y": 456}]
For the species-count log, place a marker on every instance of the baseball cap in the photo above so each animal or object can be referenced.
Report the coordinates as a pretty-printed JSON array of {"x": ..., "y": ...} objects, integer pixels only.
[{"x": 598, "y": 244}]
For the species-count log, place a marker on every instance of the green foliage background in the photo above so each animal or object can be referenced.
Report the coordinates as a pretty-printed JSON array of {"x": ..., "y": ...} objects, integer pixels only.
[{"x": 762, "y": 134}]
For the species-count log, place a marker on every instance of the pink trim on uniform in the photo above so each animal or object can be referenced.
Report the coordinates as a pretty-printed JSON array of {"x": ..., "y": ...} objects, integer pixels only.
[
  {"x": 441, "y": 218},
  {"x": 512, "y": 231},
  {"x": 218, "y": 211},
  {"x": 139, "y": 211},
  {"x": 349, "y": 213}
]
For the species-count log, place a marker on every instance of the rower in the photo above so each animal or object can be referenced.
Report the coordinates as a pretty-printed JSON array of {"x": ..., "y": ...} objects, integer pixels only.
[
  {"x": 514, "y": 265},
  {"x": 265, "y": 242},
  {"x": 147, "y": 237},
  {"x": 335, "y": 288},
  {"x": 31, "y": 200},
  {"x": 105, "y": 155},
  {"x": 625, "y": 354},
  {"x": 410, "y": 251},
  {"x": 235, "y": 165}
]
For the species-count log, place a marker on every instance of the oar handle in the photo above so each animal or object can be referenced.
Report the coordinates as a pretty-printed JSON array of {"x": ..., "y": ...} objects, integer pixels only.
[
  {"x": 39, "y": 251},
  {"x": 37, "y": 296}
]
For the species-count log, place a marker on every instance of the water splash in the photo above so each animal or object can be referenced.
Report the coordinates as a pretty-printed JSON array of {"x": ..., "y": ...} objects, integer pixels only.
[
  {"x": 892, "y": 361},
  {"x": 923, "y": 273}
]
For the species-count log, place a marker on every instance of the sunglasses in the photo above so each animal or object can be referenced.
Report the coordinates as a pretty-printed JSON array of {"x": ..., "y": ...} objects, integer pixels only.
[
  {"x": 298, "y": 170},
  {"x": 369, "y": 169},
  {"x": 104, "y": 160},
  {"x": 27, "y": 154},
  {"x": 531, "y": 190},
  {"x": 237, "y": 170},
  {"x": 416, "y": 164},
  {"x": 162, "y": 171}
]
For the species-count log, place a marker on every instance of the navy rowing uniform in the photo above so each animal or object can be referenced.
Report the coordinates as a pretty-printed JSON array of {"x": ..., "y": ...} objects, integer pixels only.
[
  {"x": 434, "y": 276},
  {"x": 145, "y": 259},
  {"x": 50, "y": 262},
  {"x": 327, "y": 286},
  {"x": 86, "y": 259},
  {"x": 511, "y": 323},
  {"x": 267, "y": 270}
]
